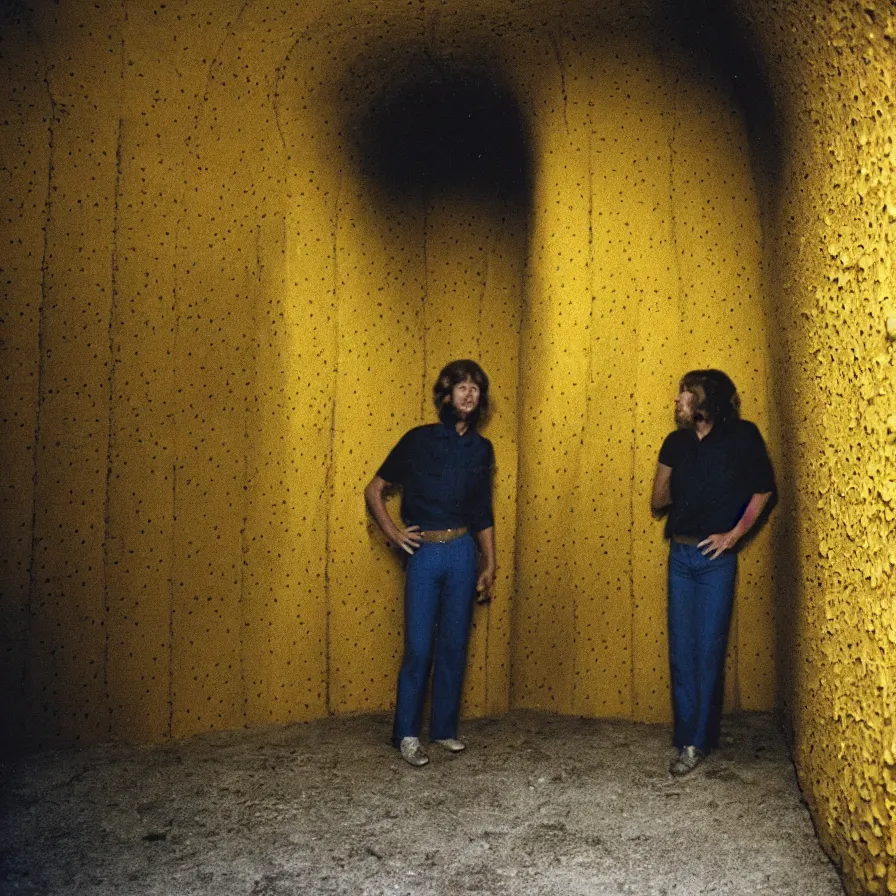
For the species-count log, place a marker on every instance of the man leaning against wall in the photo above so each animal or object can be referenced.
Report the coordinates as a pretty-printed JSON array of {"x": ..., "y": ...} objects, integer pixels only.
[
  {"x": 444, "y": 470},
  {"x": 714, "y": 480}
]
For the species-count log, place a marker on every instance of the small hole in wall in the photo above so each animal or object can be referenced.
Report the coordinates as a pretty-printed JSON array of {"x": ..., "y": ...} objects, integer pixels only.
[{"x": 440, "y": 128}]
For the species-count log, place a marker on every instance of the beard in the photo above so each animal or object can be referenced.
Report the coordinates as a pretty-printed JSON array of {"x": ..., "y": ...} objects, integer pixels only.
[
  {"x": 449, "y": 416},
  {"x": 687, "y": 421}
]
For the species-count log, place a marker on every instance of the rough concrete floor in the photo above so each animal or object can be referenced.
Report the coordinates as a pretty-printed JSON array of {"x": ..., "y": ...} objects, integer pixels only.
[{"x": 539, "y": 804}]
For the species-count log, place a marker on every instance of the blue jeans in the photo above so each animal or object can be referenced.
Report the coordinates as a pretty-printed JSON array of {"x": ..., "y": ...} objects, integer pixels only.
[
  {"x": 701, "y": 595},
  {"x": 438, "y": 606}
]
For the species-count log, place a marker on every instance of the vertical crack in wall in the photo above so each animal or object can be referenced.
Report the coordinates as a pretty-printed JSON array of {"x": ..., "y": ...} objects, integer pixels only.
[
  {"x": 555, "y": 43},
  {"x": 429, "y": 25},
  {"x": 33, "y": 591},
  {"x": 521, "y": 374},
  {"x": 175, "y": 455},
  {"x": 589, "y": 365},
  {"x": 424, "y": 303},
  {"x": 274, "y": 98},
  {"x": 219, "y": 52},
  {"x": 490, "y": 248},
  {"x": 172, "y": 419},
  {"x": 673, "y": 221},
  {"x": 632, "y": 491},
  {"x": 328, "y": 490},
  {"x": 108, "y": 531},
  {"x": 247, "y": 475}
]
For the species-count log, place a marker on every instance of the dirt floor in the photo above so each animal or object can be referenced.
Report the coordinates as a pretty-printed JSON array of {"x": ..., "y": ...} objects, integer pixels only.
[{"x": 539, "y": 804}]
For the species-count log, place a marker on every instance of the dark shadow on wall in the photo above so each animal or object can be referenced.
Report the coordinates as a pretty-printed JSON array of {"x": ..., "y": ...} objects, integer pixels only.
[
  {"x": 444, "y": 127},
  {"x": 712, "y": 33}
]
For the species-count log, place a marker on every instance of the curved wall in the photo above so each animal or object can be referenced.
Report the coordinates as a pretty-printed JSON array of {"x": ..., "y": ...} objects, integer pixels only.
[
  {"x": 832, "y": 69},
  {"x": 224, "y": 301},
  {"x": 646, "y": 262},
  {"x": 259, "y": 248}
]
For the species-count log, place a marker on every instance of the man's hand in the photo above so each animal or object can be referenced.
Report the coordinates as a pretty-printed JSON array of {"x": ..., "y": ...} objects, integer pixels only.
[
  {"x": 715, "y": 545},
  {"x": 483, "y": 585},
  {"x": 408, "y": 539},
  {"x": 485, "y": 540}
]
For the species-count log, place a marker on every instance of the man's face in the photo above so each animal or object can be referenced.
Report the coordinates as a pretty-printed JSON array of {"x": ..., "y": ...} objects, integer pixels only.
[
  {"x": 686, "y": 405},
  {"x": 465, "y": 398}
]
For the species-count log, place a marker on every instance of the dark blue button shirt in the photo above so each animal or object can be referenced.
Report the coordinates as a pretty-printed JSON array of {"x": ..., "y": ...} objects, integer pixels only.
[
  {"x": 714, "y": 478},
  {"x": 445, "y": 478}
]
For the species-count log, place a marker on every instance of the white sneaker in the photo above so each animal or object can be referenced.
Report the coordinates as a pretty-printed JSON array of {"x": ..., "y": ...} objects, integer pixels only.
[
  {"x": 452, "y": 744},
  {"x": 412, "y": 752}
]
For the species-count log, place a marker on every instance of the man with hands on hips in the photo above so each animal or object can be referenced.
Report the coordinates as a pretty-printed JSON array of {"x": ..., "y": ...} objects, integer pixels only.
[
  {"x": 444, "y": 470},
  {"x": 715, "y": 480}
]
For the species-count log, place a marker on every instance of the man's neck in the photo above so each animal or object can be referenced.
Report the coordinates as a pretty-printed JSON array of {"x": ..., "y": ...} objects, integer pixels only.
[
  {"x": 703, "y": 429},
  {"x": 461, "y": 427}
]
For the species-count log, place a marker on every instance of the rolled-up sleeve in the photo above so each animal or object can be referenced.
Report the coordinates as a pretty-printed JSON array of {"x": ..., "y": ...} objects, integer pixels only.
[
  {"x": 395, "y": 467},
  {"x": 669, "y": 450}
]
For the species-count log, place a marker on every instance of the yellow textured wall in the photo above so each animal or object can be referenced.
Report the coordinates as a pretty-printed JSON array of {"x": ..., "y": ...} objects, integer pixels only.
[
  {"x": 217, "y": 327},
  {"x": 237, "y": 306},
  {"x": 833, "y": 69},
  {"x": 646, "y": 262},
  {"x": 217, "y": 317}
]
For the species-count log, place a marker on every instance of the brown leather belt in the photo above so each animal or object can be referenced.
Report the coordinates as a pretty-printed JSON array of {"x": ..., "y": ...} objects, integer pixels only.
[
  {"x": 441, "y": 536},
  {"x": 692, "y": 540}
]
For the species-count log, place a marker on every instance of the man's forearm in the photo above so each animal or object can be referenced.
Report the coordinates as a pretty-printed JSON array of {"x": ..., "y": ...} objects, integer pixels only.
[
  {"x": 715, "y": 545},
  {"x": 373, "y": 495},
  {"x": 486, "y": 541},
  {"x": 752, "y": 513},
  {"x": 661, "y": 494}
]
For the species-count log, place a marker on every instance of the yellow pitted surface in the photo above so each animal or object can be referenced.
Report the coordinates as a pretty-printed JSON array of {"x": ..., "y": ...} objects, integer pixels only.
[
  {"x": 646, "y": 262},
  {"x": 234, "y": 265},
  {"x": 832, "y": 66}
]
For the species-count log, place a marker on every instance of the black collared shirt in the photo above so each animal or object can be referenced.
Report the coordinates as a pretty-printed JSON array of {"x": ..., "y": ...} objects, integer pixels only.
[
  {"x": 714, "y": 478},
  {"x": 445, "y": 477}
]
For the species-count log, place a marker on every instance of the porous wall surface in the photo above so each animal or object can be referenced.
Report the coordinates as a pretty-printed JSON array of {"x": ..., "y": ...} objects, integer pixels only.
[
  {"x": 646, "y": 262},
  {"x": 240, "y": 252},
  {"x": 232, "y": 271},
  {"x": 832, "y": 66},
  {"x": 215, "y": 330}
]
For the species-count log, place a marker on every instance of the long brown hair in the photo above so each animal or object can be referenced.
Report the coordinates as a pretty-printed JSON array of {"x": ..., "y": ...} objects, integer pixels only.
[
  {"x": 717, "y": 398},
  {"x": 452, "y": 374}
]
